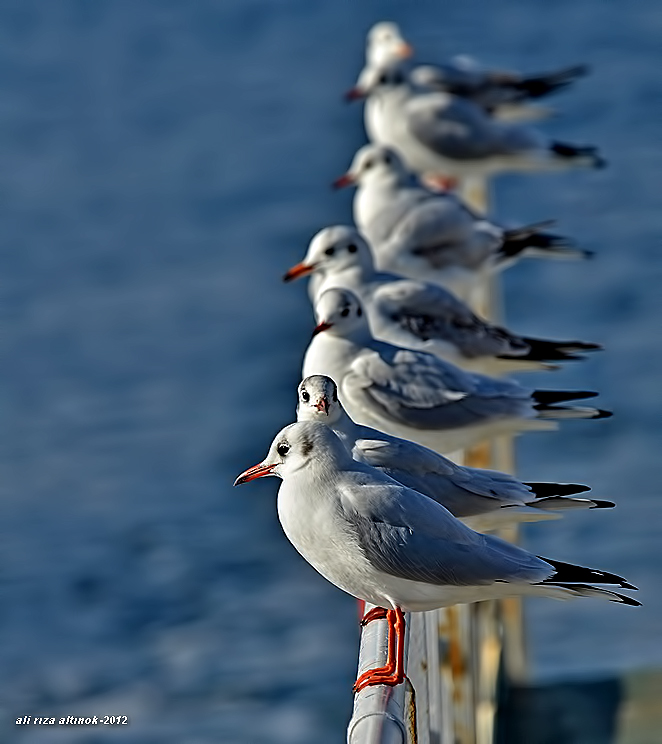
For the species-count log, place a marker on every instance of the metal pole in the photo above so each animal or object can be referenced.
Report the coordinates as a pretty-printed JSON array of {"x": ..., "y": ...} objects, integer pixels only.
[{"x": 381, "y": 714}]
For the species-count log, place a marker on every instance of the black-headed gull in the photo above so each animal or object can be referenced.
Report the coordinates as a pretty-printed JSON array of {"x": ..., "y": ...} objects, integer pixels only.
[
  {"x": 396, "y": 548},
  {"x": 416, "y": 395},
  {"x": 421, "y": 315},
  {"x": 439, "y": 133},
  {"x": 432, "y": 235},
  {"x": 500, "y": 91},
  {"x": 483, "y": 499}
]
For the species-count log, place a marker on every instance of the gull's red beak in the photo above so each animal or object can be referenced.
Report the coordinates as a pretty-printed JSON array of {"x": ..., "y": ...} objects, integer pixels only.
[
  {"x": 354, "y": 94},
  {"x": 323, "y": 405},
  {"x": 323, "y": 326},
  {"x": 405, "y": 51},
  {"x": 257, "y": 471},
  {"x": 347, "y": 179},
  {"x": 301, "y": 269}
]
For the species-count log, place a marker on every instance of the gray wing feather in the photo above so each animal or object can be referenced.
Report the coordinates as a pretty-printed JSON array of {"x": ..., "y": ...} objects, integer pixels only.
[
  {"x": 445, "y": 234},
  {"x": 461, "y": 130},
  {"x": 411, "y": 377},
  {"x": 406, "y": 534},
  {"x": 419, "y": 390},
  {"x": 454, "y": 127},
  {"x": 463, "y": 491},
  {"x": 431, "y": 312}
]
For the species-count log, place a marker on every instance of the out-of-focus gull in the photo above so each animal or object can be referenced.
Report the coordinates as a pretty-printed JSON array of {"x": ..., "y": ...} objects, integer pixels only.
[
  {"x": 439, "y": 133},
  {"x": 483, "y": 499},
  {"x": 396, "y": 548},
  {"x": 416, "y": 395},
  {"x": 425, "y": 234},
  {"x": 420, "y": 315},
  {"x": 500, "y": 91}
]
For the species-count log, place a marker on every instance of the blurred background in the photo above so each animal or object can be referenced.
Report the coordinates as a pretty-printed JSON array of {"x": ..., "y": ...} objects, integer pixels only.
[{"x": 163, "y": 162}]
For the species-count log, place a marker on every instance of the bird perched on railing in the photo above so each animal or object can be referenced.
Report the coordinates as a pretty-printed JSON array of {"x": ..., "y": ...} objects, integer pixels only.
[
  {"x": 396, "y": 548},
  {"x": 483, "y": 499},
  {"x": 439, "y": 133},
  {"x": 432, "y": 235},
  {"x": 416, "y": 395},
  {"x": 420, "y": 315},
  {"x": 502, "y": 92}
]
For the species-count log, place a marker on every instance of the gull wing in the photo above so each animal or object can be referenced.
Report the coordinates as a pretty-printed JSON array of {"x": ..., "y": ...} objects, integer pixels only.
[
  {"x": 431, "y": 312},
  {"x": 459, "y": 129},
  {"x": 405, "y": 534},
  {"x": 423, "y": 392},
  {"x": 453, "y": 127},
  {"x": 445, "y": 233}
]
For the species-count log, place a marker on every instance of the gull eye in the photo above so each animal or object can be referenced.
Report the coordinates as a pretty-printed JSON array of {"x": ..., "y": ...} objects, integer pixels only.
[
  {"x": 305, "y": 396},
  {"x": 368, "y": 164},
  {"x": 387, "y": 159},
  {"x": 359, "y": 312},
  {"x": 383, "y": 79},
  {"x": 352, "y": 248},
  {"x": 283, "y": 449},
  {"x": 330, "y": 251},
  {"x": 345, "y": 312}
]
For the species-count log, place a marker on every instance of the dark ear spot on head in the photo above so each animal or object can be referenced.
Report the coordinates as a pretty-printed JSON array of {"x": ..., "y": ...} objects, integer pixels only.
[{"x": 306, "y": 446}]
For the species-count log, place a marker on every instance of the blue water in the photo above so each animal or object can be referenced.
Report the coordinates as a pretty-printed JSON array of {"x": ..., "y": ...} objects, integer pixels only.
[{"x": 163, "y": 163}]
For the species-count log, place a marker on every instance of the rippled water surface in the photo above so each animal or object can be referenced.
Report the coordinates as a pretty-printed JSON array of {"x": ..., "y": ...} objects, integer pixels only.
[{"x": 163, "y": 163}]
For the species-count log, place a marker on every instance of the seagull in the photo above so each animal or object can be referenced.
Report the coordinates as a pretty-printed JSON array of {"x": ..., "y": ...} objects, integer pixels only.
[
  {"x": 483, "y": 499},
  {"x": 396, "y": 548},
  {"x": 417, "y": 396},
  {"x": 421, "y": 315},
  {"x": 501, "y": 92},
  {"x": 439, "y": 133},
  {"x": 434, "y": 236}
]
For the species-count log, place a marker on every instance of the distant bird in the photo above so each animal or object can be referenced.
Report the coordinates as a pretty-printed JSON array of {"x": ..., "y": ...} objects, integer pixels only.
[
  {"x": 502, "y": 92},
  {"x": 418, "y": 396},
  {"x": 420, "y": 315},
  {"x": 483, "y": 499},
  {"x": 433, "y": 236},
  {"x": 396, "y": 548},
  {"x": 439, "y": 133}
]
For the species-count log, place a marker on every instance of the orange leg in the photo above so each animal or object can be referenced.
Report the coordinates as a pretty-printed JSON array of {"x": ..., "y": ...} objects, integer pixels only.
[
  {"x": 393, "y": 672},
  {"x": 376, "y": 613}
]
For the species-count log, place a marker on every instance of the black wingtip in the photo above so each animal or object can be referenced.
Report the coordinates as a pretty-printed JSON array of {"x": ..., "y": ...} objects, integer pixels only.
[
  {"x": 573, "y": 345},
  {"x": 622, "y": 599},
  {"x": 602, "y": 504},
  {"x": 583, "y": 589},
  {"x": 547, "y": 398},
  {"x": 536, "y": 86},
  {"x": 570, "y": 573},
  {"x": 601, "y": 413},
  {"x": 543, "y": 490},
  {"x": 543, "y": 350},
  {"x": 575, "y": 152}
]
